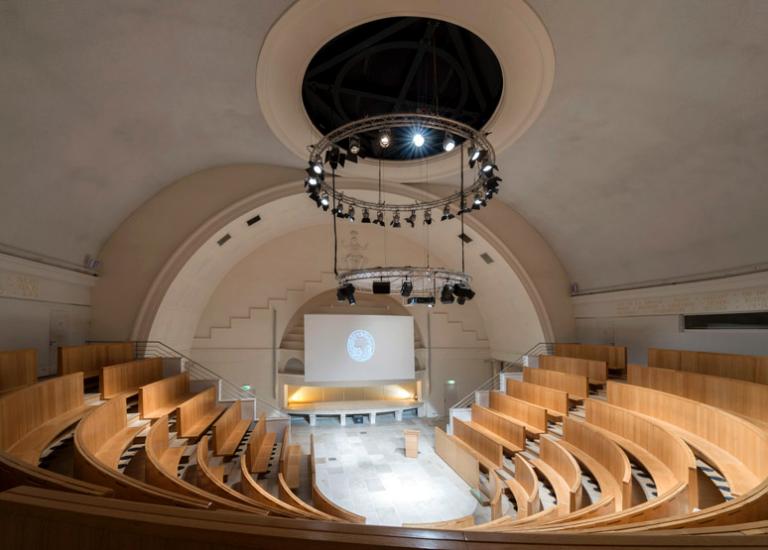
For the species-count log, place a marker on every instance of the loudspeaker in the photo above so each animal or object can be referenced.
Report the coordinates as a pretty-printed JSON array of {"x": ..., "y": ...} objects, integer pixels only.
[{"x": 381, "y": 287}]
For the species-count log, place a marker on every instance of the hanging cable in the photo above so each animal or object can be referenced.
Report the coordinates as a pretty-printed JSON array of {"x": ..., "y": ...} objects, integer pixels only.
[
  {"x": 462, "y": 204},
  {"x": 335, "y": 239}
]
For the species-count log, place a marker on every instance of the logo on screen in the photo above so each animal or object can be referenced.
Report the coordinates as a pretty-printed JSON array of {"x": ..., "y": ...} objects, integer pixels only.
[{"x": 360, "y": 346}]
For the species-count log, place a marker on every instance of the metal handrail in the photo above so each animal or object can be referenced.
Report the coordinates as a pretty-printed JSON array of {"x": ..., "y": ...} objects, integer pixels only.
[{"x": 542, "y": 348}]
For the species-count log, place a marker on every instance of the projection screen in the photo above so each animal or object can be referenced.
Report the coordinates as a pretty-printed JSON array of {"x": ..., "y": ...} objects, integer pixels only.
[{"x": 341, "y": 348}]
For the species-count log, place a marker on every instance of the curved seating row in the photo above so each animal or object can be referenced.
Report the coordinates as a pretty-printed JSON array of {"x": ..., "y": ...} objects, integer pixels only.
[
  {"x": 89, "y": 358},
  {"x": 595, "y": 371},
  {"x": 532, "y": 416},
  {"x": 575, "y": 385},
  {"x": 18, "y": 368},
  {"x": 554, "y": 401},
  {"x": 752, "y": 368},
  {"x": 128, "y": 377}
]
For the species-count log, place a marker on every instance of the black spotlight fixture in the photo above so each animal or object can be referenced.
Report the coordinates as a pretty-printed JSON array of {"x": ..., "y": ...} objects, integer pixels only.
[
  {"x": 325, "y": 201},
  {"x": 379, "y": 218},
  {"x": 447, "y": 214},
  {"x": 449, "y": 143},
  {"x": 339, "y": 211},
  {"x": 354, "y": 148},
  {"x": 476, "y": 154},
  {"x": 381, "y": 287},
  {"x": 366, "y": 216},
  {"x": 478, "y": 202},
  {"x": 315, "y": 197},
  {"x": 446, "y": 295},
  {"x": 488, "y": 167},
  {"x": 385, "y": 138},
  {"x": 463, "y": 208},
  {"x": 492, "y": 185},
  {"x": 406, "y": 289},
  {"x": 335, "y": 157},
  {"x": 411, "y": 219},
  {"x": 315, "y": 167},
  {"x": 428, "y": 217},
  {"x": 346, "y": 292},
  {"x": 351, "y": 214},
  {"x": 463, "y": 293},
  {"x": 395, "y": 220}
]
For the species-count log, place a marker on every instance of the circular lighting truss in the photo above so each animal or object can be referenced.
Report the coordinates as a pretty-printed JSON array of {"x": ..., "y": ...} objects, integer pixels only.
[
  {"x": 328, "y": 152},
  {"x": 417, "y": 285}
]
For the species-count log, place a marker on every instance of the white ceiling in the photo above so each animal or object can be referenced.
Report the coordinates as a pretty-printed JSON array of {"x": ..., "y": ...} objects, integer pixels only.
[{"x": 650, "y": 159}]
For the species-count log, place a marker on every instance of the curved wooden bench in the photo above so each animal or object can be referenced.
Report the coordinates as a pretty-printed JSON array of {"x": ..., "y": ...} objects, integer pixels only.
[
  {"x": 128, "y": 377},
  {"x": 18, "y": 368},
  {"x": 532, "y": 416},
  {"x": 526, "y": 478},
  {"x": 576, "y": 386},
  {"x": 511, "y": 435},
  {"x": 32, "y": 417},
  {"x": 163, "y": 397},
  {"x": 287, "y": 495},
  {"x": 229, "y": 429},
  {"x": 251, "y": 488},
  {"x": 260, "y": 446},
  {"x": 595, "y": 371},
  {"x": 603, "y": 457},
  {"x": 195, "y": 415},
  {"x": 497, "y": 491},
  {"x": 614, "y": 356},
  {"x": 14, "y": 472},
  {"x": 449, "y": 524},
  {"x": 558, "y": 484},
  {"x": 290, "y": 459},
  {"x": 752, "y": 368},
  {"x": 485, "y": 445},
  {"x": 323, "y": 503},
  {"x": 89, "y": 358},
  {"x": 555, "y": 401},
  {"x": 100, "y": 439},
  {"x": 558, "y": 459}
]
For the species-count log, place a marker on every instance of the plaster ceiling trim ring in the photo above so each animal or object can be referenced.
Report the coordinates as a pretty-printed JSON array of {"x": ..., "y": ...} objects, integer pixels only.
[{"x": 510, "y": 28}]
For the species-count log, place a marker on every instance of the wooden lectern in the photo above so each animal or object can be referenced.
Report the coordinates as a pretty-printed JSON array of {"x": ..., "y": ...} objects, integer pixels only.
[{"x": 411, "y": 443}]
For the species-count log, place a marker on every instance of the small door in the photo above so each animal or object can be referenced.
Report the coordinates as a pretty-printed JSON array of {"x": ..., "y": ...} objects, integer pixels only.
[{"x": 450, "y": 395}]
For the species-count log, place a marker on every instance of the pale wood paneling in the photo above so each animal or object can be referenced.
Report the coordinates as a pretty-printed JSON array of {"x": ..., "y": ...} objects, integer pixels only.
[
  {"x": 18, "y": 368},
  {"x": 576, "y": 386},
  {"x": 89, "y": 358},
  {"x": 752, "y": 368},
  {"x": 162, "y": 397},
  {"x": 479, "y": 442},
  {"x": 129, "y": 376},
  {"x": 229, "y": 430},
  {"x": 562, "y": 462},
  {"x": 595, "y": 371},
  {"x": 513, "y": 433},
  {"x": 526, "y": 477},
  {"x": 533, "y": 416},
  {"x": 195, "y": 415},
  {"x": 555, "y": 401},
  {"x": 463, "y": 462},
  {"x": 614, "y": 356}
]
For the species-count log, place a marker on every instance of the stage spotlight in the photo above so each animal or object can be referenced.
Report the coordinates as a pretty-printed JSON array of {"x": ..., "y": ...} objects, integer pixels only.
[
  {"x": 488, "y": 167},
  {"x": 379, "y": 218},
  {"x": 325, "y": 201},
  {"x": 339, "y": 211},
  {"x": 463, "y": 208},
  {"x": 311, "y": 181},
  {"x": 463, "y": 293},
  {"x": 385, "y": 138},
  {"x": 428, "y": 217},
  {"x": 346, "y": 292},
  {"x": 449, "y": 144},
  {"x": 492, "y": 185},
  {"x": 411, "y": 219},
  {"x": 395, "y": 220},
  {"x": 418, "y": 138},
  {"x": 366, "y": 216},
  {"x": 476, "y": 154},
  {"x": 447, "y": 215},
  {"x": 406, "y": 289},
  {"x": 446, "y": 295},
  {"x": 315, "y": 197},
  {"x": 478, "y": 202},
  {"x": 354, "y": 145},
  {"x": 335, "y": 157},
  {"x": 351, "y": 214}
]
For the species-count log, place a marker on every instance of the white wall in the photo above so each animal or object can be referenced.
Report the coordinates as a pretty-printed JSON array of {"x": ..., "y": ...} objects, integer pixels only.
[
  {"x": 42, "y": 307},
  {"x": 645, "y": 318}
]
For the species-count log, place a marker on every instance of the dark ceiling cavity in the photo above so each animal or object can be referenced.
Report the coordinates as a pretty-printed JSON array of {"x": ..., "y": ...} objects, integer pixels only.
[{"x": 402, "y": 64}]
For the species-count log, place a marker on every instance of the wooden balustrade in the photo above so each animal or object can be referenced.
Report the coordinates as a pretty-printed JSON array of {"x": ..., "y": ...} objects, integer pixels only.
[
  {"x": 130, "y": 376},
  {"x": 595, "y": 371},
  {"x": 18, "y": 368},
  {"x": 752, "y": 368},
  {"x": 576, "y": 386}
]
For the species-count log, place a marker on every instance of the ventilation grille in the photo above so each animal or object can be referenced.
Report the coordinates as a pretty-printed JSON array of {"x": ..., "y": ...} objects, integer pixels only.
[
  {"x": 224, "y": 239},
  {"x": 486, "y": 258},
  {"x": 253, "y": 220},
  {"x": 466, "y": 238}
]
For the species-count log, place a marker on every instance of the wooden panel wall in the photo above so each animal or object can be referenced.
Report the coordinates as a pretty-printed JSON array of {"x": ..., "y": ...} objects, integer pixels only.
[
  {"x": 577, "y": 387},
  {"x": 614, "y": 356},
  {"x": 194, "y": 409},
  {"x": 227, "y": 422},
  {"x": 752, "y": 368},
  {"x": 669, "y": 449},
  {"x": 89, "y": 358},
  {"x": 129, "y": 376},
  {"x": 510, "y": 431},
  {"x": 595, "y": 371},
  {"x": 527, "y": 413},
  {"x": 604, "y": 451},
  {"x": 162, "y": 393},
  {"x": 551, "y": 399},
  {"x": 738, "y": 396},
  {"x": 24, "y": 410},
  {"x": 739, "y": 437},
  {"x": 457, "y": 457},
  {"x": 482, "y": 444},
  {"x": 18, "y": 368}
]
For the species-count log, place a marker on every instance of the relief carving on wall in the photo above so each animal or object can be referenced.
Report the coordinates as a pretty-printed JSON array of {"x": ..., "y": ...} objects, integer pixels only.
[
  {"x": 353, "y": 252},
  {"x": 19, "y": 286},
  {"x": 755, "y": 299}
]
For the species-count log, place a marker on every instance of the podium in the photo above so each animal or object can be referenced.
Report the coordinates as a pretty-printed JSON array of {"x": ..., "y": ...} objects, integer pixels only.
[{"x": 411, "y": 443}]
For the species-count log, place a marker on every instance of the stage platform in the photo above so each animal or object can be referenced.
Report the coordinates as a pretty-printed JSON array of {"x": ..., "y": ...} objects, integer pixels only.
[{"x": 342, "y": 409}]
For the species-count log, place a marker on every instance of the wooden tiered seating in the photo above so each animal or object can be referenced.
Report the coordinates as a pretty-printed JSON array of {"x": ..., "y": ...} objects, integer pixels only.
[
  {"x": 290, "y": 459},
  {"x": 555, "y": 401},
  {"x": 576, "y": 386},
  {"x": 32, "y": 417},
  {"x": 260, "y": 446},
  {"x": 18, "y": 368},
  {"x": 195, "y": 415},
  {"x": 532, "y": 416},
  {"x": 595, "y": 371},
  {"x": 287, "y": 495},
  {"x": 510, "y": 435},
  {"x": 89, "y": 358},
  {"x": 525, "y": 479},
  {"x": 229, "y": 429},
  {"x": 100, "y": 440},
  {"x": 251, "y": 489},
  {"x": 747, "y": 399},
  {"x": 614, "y": 356},
  {"x": 558, "y": 465},
  {"x": 483, "y": 443},
  {"x": 128, "y": 377},
  {"x": 164, "y": 396},
  {"x": 752, "y": 368}
]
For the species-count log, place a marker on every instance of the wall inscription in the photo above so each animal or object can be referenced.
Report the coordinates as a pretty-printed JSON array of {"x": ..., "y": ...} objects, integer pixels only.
[{"x": 14, "y": 285}]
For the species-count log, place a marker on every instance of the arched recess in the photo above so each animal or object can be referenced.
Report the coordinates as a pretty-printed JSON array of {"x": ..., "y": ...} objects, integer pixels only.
[{"x": 175, "y": 268}]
